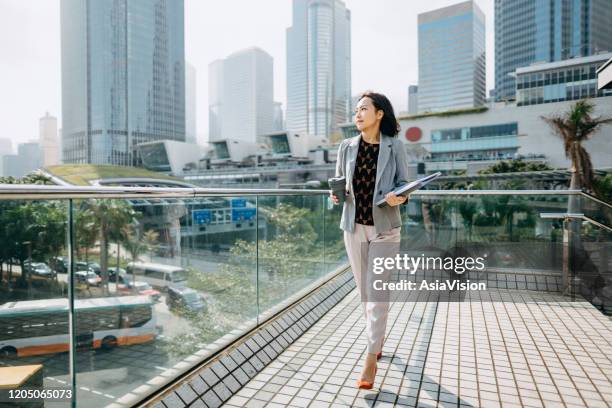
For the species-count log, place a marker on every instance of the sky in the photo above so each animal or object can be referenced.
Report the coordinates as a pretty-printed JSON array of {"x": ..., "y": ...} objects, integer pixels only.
[{"x": 383, "y": 35}]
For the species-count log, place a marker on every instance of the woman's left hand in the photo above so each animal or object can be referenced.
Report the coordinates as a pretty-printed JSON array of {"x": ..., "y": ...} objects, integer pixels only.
[{"x": 394, "y": 200}]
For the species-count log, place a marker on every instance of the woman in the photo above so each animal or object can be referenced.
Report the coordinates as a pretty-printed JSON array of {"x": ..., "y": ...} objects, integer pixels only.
[{"x": 373, "y": 163}]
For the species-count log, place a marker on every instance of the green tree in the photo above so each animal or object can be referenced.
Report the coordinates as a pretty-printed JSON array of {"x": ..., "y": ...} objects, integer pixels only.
[
  {"x": 109, "y": 216},
  {"x": 575, "y": 127}
]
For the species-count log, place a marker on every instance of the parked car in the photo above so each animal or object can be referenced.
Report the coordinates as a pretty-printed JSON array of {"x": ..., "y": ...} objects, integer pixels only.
[
  {"x": 59, "y": 264},
  {"x": 185, "y": 298},
  {"x": 41, "y": 269},
  {"x": 95, "y": 267},
  {"x": 89, "y": 277},
  {"x": 140, "y": 287},
  {"x": 112, "y": 273}
]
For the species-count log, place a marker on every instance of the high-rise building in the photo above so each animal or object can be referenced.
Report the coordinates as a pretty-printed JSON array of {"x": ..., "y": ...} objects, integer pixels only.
[
  {"x": 413, "y": 101},
  {"x": 278, "y": 123},
  {"x": 451, "y": 58},
  {"x": 190, "y": 103},
  {"x": 123, "y": 77},
  {"x": 27, "y": 159},
  {"x": 48, "y": 140},
  {"x": 6, "y": 146},
  {"x": 318, "y": 67},
  {"x": 241, "y": 95},
  {"x": 528, "y": 31}
]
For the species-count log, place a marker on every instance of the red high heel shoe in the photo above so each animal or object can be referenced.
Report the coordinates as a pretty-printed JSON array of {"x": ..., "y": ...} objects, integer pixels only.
[
  {"x": 366, "y": 385},
  {"x": 378, "y": 355}
]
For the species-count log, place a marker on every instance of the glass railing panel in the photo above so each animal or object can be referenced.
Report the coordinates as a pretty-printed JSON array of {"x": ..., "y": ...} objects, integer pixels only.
[
  {"x": 591, "y": 260},
  {"x": 177, "y": 283},
  {"x": 517, "y": 248},
  {"x": 335, "y": 252},
  {"x": 291, "y": 247},
  {"x": 34, "y": 294},
  {"x": 595, "y": 209}
]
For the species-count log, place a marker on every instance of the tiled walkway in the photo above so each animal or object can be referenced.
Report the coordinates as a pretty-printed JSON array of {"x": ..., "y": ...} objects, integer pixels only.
[{"x": 527, "y": 348}]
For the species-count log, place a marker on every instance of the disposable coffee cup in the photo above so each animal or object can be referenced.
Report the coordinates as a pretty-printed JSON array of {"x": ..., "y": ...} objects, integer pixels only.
[{"x": 338, "y": 187}]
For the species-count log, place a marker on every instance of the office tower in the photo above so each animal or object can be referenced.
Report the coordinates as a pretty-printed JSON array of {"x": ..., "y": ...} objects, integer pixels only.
[
  {"x": 413, "y": 102},
  {"x": 6, "y": 146},
  {"x": 27, "y": 159},
  {"x": 190, "y": 103},
  {"x": 278, "y": 123},
  {"x": 318, "y": 67},
  {"x": 529, "y": 31},
  {"x": 240, "y": 95},
  {"x": 48, "y": 140},
  {"x": 123, "y": 77},
  {"x": 451, "y": 58}
]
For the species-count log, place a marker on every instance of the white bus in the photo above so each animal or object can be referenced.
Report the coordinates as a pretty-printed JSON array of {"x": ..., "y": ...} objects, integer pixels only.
[
  {"x": 35, "y": 327},
  {"x": 158, "y": 275}
]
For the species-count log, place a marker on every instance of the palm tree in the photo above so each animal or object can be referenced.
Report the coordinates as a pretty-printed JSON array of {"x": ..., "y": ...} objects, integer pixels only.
[
  {"x": 109, "y": 215},
  {"x": 576, "y": 126}
]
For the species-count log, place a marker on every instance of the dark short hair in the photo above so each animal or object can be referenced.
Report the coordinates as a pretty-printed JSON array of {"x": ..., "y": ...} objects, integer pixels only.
[{"x": 388, "y": 125}]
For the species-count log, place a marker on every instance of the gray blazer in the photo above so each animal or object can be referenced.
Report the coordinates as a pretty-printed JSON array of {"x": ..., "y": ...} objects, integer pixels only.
[{"x": 391, "y": 172}]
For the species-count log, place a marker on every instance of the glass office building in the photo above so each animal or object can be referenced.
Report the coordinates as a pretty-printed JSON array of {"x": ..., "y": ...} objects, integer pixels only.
[
  {"x": 123, "y": 77},
  {"x": 451, "y": 58},
  {"x": 528, "y": 31},
  {"x": 477, "y": 142},
  {"x": 318, "y": 67},
  {"x": 241, "y": 95},
  {"x": 560, "y": 81}
]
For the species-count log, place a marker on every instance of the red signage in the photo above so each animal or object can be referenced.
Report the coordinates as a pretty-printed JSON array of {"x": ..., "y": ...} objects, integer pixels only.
[{"x": 413, "y": 134}]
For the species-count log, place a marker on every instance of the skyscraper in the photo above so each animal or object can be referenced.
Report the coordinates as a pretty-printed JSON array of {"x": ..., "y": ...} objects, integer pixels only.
[
  {"x": 451, "y": 58},
  {"x": 48, "y": 140},
  {"x": 413, "y": 101},
  {"x": 123, "y": 77},
  {"x": 278, "y": 123},
  {"x": 190, "y": 103},
  {"x": 318, "y": 67},
  {"x": 528, "y": 31},
  {"x": 241, "y": 91}
]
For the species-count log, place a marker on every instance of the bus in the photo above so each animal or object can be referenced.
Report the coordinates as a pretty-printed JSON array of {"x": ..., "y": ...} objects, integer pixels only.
[
  {"x": 34, "y": 327},
  {"x": 158, "y": 275}
]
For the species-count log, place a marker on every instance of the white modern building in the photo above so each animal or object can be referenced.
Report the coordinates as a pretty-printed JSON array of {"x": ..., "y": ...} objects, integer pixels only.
[
  {"x": 451, "y": 58},
  {"x": 318, "y": 67},
  {"x": 49, "y": 141},
  {"x": 241, "y": 91},
  {"x": 472, "y": 141},
  {"x": 190, "y": 103},
  {"x": 170, "y": 156}
]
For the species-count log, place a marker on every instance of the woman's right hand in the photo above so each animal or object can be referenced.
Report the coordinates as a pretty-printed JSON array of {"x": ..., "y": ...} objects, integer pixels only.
[{"x": 334, "y": 198}]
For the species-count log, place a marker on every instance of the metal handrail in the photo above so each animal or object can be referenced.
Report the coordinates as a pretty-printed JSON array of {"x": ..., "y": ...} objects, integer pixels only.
[
  {"x": 37, "y": 191},
  {"x": 576, "y": 216},
  {"x": 596, "y": 199}
]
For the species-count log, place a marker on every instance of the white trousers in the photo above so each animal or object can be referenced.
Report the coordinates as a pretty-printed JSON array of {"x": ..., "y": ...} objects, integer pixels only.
[{"x": 362, "y": 246}]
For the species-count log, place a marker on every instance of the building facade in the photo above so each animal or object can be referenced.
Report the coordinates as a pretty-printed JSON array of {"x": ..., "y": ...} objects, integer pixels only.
[
  {"x": 528, "y": 31},
  {"x": 28, "y": 158},
  {"x": 123, "y": 77},
  {"x": 451, "y": 58},
  {"x": 241, "y": 96},
  {"x": 279, "y": 120},
  {"x": 473, "y": 140},
  {"x": 318, "y": 67},
  {"x": 48, "y": 140},
  {"x": 566, "y": 80},
  {"x": 413, "y": 99},
  {"x": 190, "y": 104}
]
